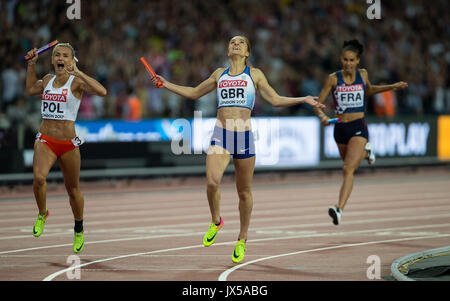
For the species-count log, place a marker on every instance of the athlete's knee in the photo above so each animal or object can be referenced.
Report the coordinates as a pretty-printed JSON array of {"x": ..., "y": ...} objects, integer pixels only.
[
  {"x": 212, "y": 183},
  {"x": 348, "y": 168},
  {"x": 73, "y": 192},
  {"x": 39, "y": 180},
  {"x": 245, "y": 193}
]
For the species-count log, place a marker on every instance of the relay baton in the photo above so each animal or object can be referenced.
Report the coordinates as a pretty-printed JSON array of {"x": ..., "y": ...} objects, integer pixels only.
[
  {"x": 334, "y": 120},
  {"x": 42, "y": 49},
  {"x": 150, "y": 71}
]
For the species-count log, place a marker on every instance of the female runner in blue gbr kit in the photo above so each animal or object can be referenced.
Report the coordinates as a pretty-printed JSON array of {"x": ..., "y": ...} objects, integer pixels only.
[
  {"x": 232, "y": 135},
  {"x": 350, "y": 86},
  {"x": 57, "y": 140}
]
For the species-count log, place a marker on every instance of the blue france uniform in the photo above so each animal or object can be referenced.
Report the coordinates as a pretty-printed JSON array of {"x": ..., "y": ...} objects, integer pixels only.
[
  {"x": 349, "y": 99},
  {"x": 235, "y": 91}
]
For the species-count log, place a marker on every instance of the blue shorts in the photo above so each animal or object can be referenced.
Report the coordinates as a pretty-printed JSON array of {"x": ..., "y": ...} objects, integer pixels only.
[
  {"x": 241, "y": 145},
  {"x": 344, "y": 131}
]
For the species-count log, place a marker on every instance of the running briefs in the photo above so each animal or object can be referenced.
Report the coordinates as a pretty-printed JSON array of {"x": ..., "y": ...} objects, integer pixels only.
[
  {"x": 344, "y": 131},
  {"x": 59, "y": 147},
  {"x": 241, "y": 145}
]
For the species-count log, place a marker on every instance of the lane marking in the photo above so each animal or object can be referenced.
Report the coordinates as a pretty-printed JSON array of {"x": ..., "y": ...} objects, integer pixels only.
[
  {"x": 52, "y": 276},
  {"x": 225, "y": 274},
  {"x": 51, "y": 227},
  {"x": 265, "y": 200},
  {"x": 359, "y": 209},
  {"x": 102, "y": 241},
  {"x": 259, "y": 229},
  {"x": 401, "y": 178}
]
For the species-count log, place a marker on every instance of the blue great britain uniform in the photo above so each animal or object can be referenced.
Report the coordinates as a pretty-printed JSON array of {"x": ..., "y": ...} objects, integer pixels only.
[{"x": 235, "y": 91}]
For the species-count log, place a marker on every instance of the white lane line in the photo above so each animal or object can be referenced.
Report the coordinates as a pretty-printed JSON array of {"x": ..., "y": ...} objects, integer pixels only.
[
  {"x": 52, "y": 276},
  {"x": 391, "y": 182},
  {"x": 161, "y": 269},
  {"x": 357, "y": 213},
  {"x": 103, "y": 241},
  {"x": 360, "y": 207},
  {"x": 86, "y": 256},
  {"x": 225, "y": 274},
  {"x": 257, "y": 229}
]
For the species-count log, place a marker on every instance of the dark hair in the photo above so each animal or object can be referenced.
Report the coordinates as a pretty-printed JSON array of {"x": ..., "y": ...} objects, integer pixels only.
[{"x": 353, "y": 45}]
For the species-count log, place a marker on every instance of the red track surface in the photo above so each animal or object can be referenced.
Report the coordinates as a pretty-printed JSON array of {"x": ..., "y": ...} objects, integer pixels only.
[{"x": 153, "y": 229}]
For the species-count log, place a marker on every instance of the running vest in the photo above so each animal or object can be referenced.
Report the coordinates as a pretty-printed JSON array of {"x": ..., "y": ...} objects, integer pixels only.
[
  {"x": 236, "y": 90},
  {"x": 349, "y": 98},
  {"x": 59, "y": 103}
]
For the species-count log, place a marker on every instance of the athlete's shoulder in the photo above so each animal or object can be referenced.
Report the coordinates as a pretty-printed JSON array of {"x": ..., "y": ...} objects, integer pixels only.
[
  {"x": 333, "y": 75},
  {"x": 362, "y": 70},
  {"x": 332, "y": 78},
  {"x": 46, "y": 79},
  {"x": 218, "y": 72},
  {"x": 256, "y": 73},
  {"x": 257, "y": 76},
  {"x": 364, "y": 73},
  {"x": 254, "y": 69}
]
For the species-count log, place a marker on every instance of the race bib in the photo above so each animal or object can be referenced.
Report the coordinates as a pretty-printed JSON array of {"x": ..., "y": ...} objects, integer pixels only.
[
  {"x": 53, "y": 106},
  {"x": 77, "y": 141},
  {"x": 350, "y": 96},
  {"x": 232, "y": 93}
]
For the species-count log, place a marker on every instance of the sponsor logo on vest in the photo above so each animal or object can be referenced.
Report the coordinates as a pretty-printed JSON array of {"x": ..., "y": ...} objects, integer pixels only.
[
  {"x": 232, "y": 83},
  {"x": 54, "y": 97},
  {"x": 352, "y": 88}
]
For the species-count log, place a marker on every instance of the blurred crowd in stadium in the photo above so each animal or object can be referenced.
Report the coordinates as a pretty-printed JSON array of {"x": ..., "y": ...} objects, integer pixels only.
[{"x": 295, "y": 43}]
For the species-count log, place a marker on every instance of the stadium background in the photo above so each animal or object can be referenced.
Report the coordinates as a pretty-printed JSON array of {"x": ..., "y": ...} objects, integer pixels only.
[{"x": 131, "y": 133}]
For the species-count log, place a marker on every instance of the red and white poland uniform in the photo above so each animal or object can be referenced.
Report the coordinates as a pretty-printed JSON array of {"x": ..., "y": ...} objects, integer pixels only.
[{"x": 59, "y": 104}]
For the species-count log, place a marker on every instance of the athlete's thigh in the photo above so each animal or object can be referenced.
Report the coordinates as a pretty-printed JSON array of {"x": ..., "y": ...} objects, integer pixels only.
[
  {"x": 43, "y": 159},
  {"x": 217, "y": 161},
  {"x": 355, "y": 151},
  {"x": 70, "y": 164},
  {"x": 244, "y": 169},
  {"x": 342, "y": 150}
]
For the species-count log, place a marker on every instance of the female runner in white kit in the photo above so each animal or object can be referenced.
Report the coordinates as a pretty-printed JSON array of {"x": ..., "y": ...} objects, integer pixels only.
[
  {"x": 57, "y": 140},
  {"x": 232, "y": 135}
]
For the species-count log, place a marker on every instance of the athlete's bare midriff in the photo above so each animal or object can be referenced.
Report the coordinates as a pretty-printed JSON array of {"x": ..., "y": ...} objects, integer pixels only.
[
  {"x": 348, "y": 117},
  {"x": 234, "y": 119},
  {"x": 58, "y": 129}
]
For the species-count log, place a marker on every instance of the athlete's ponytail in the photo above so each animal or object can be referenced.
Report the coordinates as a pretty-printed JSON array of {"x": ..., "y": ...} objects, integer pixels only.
[
  {"x": 249, "y": 47},
  {"x": 353, "y": 45}
]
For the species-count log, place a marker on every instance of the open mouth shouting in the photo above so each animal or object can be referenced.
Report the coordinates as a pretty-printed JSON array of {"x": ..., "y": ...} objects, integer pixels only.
[{"x": 60, "y": 66}]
